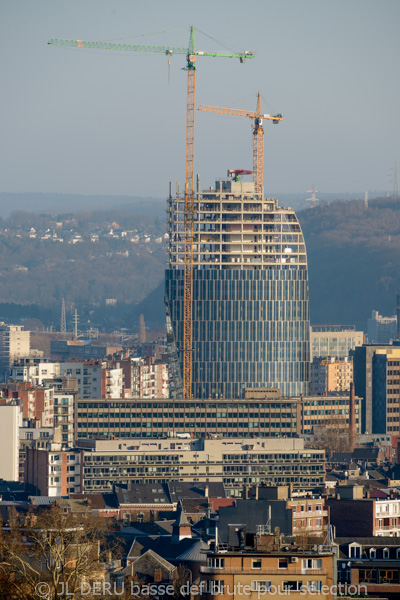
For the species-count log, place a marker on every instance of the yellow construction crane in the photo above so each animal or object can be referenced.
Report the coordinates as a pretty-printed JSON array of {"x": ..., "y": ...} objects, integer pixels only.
[
  {"x": 258, "y": 135},
  {"x": 191, "y": 54}
]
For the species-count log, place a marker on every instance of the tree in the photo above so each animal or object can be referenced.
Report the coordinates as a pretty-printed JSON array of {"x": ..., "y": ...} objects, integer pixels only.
[{"x": 54, "y": 549}]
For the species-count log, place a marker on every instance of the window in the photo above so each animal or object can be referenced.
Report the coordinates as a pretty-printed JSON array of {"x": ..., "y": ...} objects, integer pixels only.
[
  {"x": 260, "y": 586},
  {"x": 312, "y": 563},
  {"x": 292, "y": 586},
  {"x": 216, "y": 587},
  {"x": 283, "y": 563},
  {"x": 386, "y": 553},
  {"x": 355, "y": 551},
  {"x": 372, "y": 553},
  {"x": 216, "y": 563},
  {"x": 314, "y": 586},
  {"x": 256, "y": 563}
]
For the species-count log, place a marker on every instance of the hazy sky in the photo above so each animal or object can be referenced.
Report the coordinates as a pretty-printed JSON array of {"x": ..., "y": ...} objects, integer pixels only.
[{"x": 103, "y": 122}]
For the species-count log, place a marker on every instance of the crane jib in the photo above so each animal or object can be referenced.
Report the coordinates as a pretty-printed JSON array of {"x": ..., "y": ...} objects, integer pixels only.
[{"x": 142, "y": 48}]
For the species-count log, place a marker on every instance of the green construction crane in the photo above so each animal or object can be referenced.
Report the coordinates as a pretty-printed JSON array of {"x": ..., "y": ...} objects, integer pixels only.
[{"x": 191, "y": 54}]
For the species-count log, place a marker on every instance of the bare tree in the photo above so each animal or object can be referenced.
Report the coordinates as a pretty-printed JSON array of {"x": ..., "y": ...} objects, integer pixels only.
[{"x": 55, "y": 549}]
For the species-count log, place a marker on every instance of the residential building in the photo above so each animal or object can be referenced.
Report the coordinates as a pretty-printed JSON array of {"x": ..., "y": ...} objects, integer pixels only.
[
  {"x": 53, "y": 471},
  {"x": 266, "y": 568},
  {"x": 37, "y": 403},
  {"x": 34, "y": 370},
  {"x": 275, "y": 506},
  {"x": 352, "y": 514},
  {"x": 381, "y": 330},
  {"x": 153, "y": 379},
  {"x": 235, "y": 462},
  {"x": 32, "y": 435},
  {"x": 250, "y": 294},
  {"x": 65, "y": 393},
  {"x": 330, "y": 375},
  {"x": 10, "y": 421},
  {"x": 370, "y": 562},
  {"x": 14, "y": 342},
  {"x": 95, "y": 378},
  {"x": 334, "y": 340}
]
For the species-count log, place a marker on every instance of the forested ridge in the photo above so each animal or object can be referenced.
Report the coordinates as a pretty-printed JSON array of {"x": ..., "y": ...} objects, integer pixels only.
[
  {"x": 89, "y": 256},
  {"x": 354, "y": 259}
]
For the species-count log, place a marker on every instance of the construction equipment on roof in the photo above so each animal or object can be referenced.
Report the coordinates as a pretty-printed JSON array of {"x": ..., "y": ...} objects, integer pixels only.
[
  {"x": 258, "y": 135},
  {"x": 191, "y": 54}
]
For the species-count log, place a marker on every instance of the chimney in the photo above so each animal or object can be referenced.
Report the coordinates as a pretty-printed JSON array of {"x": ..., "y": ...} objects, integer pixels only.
[
  {"x": 256, "y": 491},
  {"x": 206, "y": 490},
  {"x": 352, "y": 419}
]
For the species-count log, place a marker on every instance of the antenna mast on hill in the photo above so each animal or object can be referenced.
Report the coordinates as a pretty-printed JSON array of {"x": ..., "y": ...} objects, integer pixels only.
[
  {"x": 313, "y": 198},
  {"x": 63, "y": 327},
  {"x": 395, "y": 184}
]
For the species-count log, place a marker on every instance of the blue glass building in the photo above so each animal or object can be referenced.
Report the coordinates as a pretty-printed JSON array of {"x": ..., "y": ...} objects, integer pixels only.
[{"x": 250, "y": 294}]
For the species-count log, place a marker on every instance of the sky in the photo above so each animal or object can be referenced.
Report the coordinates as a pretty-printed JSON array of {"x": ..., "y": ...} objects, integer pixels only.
[{"x": 106, "y": 122}]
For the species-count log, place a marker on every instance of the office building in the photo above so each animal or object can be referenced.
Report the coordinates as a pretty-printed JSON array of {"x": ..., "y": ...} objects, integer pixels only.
[
  {"x": 130, "y": 418},
  {"x": 334, "y": 340},
  {"x": 250, "y": 293},
  {"x": 236, "y": 462},
  {"x": 376, "y": 381},
  {"x": 329, "y": 412},
  {"x": 381, "y": 330},
  {"x": 272, "y": 417}
]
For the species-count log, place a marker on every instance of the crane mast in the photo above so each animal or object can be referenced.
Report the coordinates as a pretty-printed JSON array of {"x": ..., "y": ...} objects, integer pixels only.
[
  {"x": 189, "y": 219},
  {"x": 258, "y": 135},
  {"x": 191, "y": 54}
]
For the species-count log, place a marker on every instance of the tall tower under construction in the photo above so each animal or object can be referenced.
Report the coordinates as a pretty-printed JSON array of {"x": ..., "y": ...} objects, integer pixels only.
[{"x": 250, "y": 293}]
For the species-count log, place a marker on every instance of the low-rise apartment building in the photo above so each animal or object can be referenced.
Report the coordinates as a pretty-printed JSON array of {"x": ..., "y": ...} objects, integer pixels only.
[
  {"x": 353, "y": 514},
  {"x": 269, "y": 569}
]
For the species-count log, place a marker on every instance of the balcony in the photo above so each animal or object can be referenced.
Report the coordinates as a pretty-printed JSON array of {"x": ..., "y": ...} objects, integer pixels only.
[{"x": 258, "y": 572}]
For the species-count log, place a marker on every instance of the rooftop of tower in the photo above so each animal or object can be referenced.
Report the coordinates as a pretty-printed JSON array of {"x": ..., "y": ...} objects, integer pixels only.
[{"x": 235, "y": 228}]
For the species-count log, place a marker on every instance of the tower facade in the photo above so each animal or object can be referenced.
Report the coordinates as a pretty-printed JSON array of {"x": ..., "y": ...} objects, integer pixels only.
[{"x": 250, "y": 293}]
